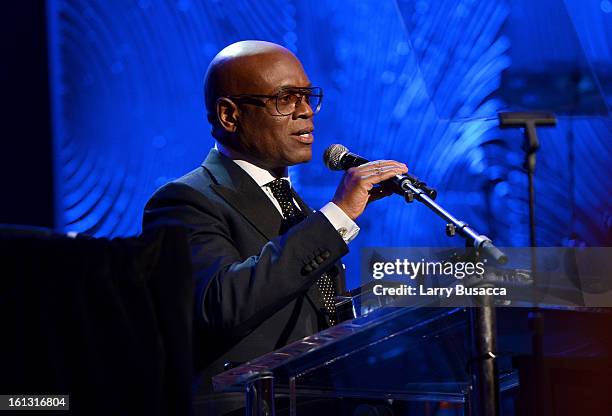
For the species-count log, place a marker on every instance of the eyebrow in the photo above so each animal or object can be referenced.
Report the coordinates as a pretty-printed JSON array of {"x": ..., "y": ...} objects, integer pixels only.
[{"x": 309, "y": 85}]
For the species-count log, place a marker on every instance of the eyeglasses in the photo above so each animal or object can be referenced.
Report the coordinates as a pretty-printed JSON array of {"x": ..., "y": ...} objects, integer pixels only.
[{"x": 288, "y": 99}]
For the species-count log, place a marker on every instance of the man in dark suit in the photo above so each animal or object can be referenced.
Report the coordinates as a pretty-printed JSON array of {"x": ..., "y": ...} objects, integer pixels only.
[{"x": 266, "y": 266}]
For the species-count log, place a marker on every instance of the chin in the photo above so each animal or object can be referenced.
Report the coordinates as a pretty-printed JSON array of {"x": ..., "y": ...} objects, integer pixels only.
[{"x": 303, "y": 156}]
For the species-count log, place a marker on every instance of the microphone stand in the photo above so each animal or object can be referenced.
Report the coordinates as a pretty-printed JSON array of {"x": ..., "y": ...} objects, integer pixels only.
[
  {"x": 482, "y": 397},
  {"x": 481, "y": 243},
  {"x": 529, "y": 121}
]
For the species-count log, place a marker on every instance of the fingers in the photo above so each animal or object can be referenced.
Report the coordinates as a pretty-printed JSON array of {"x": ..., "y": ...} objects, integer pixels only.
[
  {"x": 355, "y": 190},
  {"x": 375, "y": 172},
  {"x": 380, "y": 175},
  {"x": 379, "y": 192},
  {"x": 381, "y": 168},
  {"x": 381, "y": 165}
]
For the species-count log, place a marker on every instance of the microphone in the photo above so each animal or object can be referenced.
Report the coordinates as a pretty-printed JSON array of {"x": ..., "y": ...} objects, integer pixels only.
[{"x": 338, "y": 157}]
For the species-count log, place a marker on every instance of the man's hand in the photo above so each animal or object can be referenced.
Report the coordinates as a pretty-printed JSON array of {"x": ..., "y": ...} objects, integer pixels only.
[{"x": 357, "y": 187}]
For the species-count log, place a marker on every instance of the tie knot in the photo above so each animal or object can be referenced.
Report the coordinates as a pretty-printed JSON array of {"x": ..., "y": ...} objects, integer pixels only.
[{"x": 280, "y": 187}]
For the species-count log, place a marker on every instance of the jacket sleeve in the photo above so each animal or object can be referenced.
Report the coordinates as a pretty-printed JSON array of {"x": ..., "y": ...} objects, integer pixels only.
[{"x": 234, "y": 294}]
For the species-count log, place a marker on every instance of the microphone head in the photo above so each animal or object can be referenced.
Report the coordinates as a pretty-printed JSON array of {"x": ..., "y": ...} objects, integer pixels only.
[{"x": 333, "y": 156}]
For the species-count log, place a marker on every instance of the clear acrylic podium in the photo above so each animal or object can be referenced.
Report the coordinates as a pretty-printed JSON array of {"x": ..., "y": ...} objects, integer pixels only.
[{"x": 399, "y": 353}]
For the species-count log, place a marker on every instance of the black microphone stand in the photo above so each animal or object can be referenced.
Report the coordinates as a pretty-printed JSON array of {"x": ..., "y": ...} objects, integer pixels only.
[
  {"x": 481, "y": 243},
  {"x": 529, "y": 120},
  {"x": 482, "y": 398}
]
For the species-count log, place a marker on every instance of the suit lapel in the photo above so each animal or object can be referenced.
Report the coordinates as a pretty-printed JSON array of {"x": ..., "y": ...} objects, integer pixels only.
[
  {"x": 303, "y": 206},
  {"x": 239, "y": 190}
]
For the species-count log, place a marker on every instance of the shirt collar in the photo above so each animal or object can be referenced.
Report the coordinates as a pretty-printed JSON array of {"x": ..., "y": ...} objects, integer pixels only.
[{"x": 260, "y": 176}]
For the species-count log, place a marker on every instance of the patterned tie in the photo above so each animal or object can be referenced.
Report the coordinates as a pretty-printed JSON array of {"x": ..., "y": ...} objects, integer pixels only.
[{"x": 281, "y": 189}]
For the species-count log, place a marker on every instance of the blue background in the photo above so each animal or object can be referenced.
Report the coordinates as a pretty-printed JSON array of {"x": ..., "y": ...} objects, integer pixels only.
[{"x": 416, "y": 81}]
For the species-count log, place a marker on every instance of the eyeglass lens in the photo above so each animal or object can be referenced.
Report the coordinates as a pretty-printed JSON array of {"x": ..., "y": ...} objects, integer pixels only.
[{"x": 288, "y": 100}]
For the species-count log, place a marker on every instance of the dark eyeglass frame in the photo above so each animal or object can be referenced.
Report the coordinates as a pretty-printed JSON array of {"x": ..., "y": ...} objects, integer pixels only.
[{"x": 301, "y": 92}]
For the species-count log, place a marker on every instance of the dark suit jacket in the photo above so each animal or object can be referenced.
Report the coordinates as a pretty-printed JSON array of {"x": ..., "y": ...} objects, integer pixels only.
[{"x": 254, "y": 288}]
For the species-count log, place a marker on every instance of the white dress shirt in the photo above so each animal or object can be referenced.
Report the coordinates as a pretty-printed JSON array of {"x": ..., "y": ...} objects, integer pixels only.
[{"x": 340, "y": 221}]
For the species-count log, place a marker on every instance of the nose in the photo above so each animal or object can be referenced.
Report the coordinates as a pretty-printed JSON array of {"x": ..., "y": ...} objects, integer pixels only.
[{"x": 302, "y": 109}]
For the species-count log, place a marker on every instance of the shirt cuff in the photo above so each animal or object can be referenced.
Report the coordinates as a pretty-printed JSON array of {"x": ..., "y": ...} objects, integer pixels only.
[{"x": 345, "y": 226}]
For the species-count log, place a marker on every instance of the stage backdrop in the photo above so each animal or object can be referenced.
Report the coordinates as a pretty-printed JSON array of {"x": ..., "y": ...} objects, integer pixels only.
[{"x": 418, "y": 81}]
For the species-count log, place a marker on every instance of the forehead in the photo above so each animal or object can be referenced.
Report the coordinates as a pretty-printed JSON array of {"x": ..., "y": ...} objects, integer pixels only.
[{"x": 266, "y": 73}]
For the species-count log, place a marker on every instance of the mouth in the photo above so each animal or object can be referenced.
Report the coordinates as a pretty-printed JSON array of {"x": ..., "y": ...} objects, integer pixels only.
[{"x": 304, "y": 135}]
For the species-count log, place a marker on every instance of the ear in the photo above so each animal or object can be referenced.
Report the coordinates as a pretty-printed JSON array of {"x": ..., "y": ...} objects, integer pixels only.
[{"x": 227, "y": 114}]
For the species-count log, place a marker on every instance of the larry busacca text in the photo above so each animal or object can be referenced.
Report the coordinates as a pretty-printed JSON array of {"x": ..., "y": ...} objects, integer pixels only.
[{"x": 405, "y": 268}]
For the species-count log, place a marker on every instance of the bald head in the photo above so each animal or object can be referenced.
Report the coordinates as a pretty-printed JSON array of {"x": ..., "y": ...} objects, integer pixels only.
[
  {"x": 244, "y": 68},
  {"x": 242, "y": 83}
]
